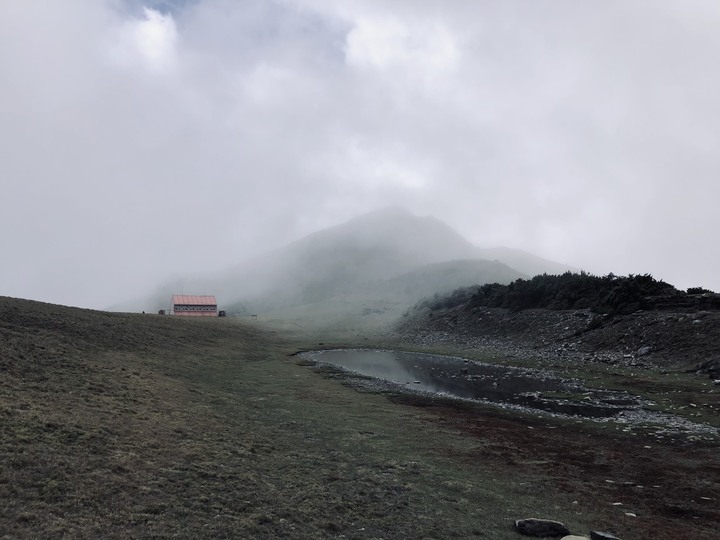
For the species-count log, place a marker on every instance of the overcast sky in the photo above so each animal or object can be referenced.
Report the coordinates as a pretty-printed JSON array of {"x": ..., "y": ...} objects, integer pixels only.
[{"x": 140, "y": 140}]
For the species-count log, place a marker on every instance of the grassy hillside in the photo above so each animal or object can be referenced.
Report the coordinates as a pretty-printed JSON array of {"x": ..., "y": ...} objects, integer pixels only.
[
  {"x": 375, "y": 306},
  {"x": 132, "y": 426}
]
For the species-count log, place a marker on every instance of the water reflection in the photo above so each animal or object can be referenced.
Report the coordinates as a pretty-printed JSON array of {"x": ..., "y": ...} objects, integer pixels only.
[{"x": 473, "y": 380}]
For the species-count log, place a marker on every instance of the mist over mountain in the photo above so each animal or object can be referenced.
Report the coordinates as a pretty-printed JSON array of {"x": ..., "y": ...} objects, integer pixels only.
[
  {"x": 384, "y": 260},
  {"x": 444, "y": 277},
  {"x": 524, "y": 262}
]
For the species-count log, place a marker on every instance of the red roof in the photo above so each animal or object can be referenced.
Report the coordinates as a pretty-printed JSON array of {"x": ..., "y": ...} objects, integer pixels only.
[{"x": 193, "y": 300}]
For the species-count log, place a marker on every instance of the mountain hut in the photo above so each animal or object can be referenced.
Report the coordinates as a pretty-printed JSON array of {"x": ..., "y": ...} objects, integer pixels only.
[{"x": 194, "y": 305}]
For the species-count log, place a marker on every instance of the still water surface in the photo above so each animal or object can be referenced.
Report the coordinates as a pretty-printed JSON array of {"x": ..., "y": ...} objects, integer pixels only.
[{"x": 458, "y": 377}]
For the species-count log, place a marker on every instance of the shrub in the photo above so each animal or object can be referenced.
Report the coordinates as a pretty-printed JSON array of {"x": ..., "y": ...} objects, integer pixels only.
[
  {"x": 602, "y": 294},
  {"x": 698, "y": 290}
]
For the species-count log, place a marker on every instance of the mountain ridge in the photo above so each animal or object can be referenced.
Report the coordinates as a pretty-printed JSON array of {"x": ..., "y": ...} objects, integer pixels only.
[{"x": 382, "y": 257}]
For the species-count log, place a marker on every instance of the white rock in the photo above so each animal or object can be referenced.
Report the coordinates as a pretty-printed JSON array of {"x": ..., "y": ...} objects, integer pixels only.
[{"x": 598, "y": 535}]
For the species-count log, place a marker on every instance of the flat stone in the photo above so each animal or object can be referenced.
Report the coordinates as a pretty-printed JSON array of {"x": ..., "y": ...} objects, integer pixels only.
[
  {"x": 574, "y": 537},
  {"x": 541, "y": 527}
]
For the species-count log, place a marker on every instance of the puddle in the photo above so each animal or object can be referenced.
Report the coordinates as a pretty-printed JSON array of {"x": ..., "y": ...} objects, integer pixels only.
[{"x": 457, "y": 377}]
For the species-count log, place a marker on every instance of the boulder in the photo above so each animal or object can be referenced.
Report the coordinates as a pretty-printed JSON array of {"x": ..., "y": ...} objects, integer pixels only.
[
  {"x": 597, "y": 535},
  {"x": 541, "y": 527},
  {"x": 709, "y": 367}
]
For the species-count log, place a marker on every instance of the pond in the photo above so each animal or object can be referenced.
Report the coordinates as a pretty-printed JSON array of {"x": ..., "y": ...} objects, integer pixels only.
[{"x": 461, "y": 378}]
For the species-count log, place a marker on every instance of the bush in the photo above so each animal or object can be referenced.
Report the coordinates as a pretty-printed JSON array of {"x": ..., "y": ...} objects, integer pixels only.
[
  {"x": 698, "y": 290},
  {"x": 606, "y": 294},
  {"x": 456, "y": 298}
]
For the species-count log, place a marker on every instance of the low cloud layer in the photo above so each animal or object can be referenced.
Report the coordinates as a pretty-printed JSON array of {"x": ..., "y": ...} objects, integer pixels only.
[{"x": 138, "y": 141}]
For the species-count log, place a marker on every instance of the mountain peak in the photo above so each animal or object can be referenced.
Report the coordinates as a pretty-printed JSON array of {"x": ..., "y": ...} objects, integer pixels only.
[
  {"x": 422, "y": 240},
  {"x": 360, "y": 257},
  {"x": 387, "y": 213},
  {"x": 392, "y": 210}
]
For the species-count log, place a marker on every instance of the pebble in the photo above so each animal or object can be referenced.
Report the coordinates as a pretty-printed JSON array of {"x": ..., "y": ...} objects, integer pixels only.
[{"x": 541, "y": 527}]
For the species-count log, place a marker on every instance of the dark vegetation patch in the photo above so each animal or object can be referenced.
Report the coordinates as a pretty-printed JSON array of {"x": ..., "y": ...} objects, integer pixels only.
[
  {"x": 608, "y": 294},
  {"x": 635, "y": 321}
]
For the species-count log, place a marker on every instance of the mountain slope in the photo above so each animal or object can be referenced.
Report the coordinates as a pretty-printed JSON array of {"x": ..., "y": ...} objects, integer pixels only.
[
  {"x": 444, "y": 277},
  {"x": 381, "y": 258},
  {"x": 524, "y": 262},
  {"x": 626, "y": 319}
]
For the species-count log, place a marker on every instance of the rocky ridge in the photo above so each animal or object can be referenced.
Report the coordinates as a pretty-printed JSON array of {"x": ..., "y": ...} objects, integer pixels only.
[
  {"x": 644, "y": 339},
  {"x": 636, "y": 352}
]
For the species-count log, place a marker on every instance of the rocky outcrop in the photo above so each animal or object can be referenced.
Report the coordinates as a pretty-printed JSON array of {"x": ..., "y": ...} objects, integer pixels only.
[
  {"x": 710, "y": 367},
  {"x": 541, "y": 527},
  {"x": 642, "y": 339}
]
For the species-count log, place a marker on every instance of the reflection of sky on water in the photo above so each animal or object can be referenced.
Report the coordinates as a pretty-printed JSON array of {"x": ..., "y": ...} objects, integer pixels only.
[
  {"x": 384, "y": 365},
  {"x": 445, "y": 374},
  {"x": 525, "y": 388},
  {"x": 500, "y": 385}
]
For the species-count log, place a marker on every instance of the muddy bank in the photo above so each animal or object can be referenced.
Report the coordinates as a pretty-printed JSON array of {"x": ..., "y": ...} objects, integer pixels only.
[
  {"x": 528, "y": 390},
  {"x": 525, "y": 388}
]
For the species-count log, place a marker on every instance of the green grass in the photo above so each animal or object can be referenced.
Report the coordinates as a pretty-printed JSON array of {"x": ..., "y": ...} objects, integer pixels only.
[{"x": 132, "y": 426}]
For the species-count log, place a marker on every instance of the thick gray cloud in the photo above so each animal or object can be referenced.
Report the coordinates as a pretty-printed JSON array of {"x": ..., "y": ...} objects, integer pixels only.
[{"x": 140, "y": 140}]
